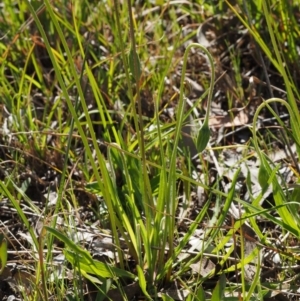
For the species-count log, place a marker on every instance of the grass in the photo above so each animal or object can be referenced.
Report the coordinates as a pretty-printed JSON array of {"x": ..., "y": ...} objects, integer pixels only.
[{"x": 95, "y": 167}]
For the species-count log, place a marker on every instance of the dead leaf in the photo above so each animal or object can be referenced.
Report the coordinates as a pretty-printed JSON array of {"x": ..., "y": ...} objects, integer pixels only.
[
  {"x": 225, "y": 121},
  {"x": 203, "y": 267}
]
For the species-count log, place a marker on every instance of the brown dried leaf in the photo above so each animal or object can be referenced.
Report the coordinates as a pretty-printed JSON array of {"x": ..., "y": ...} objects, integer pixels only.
[
  {"x": 225, "y": 121},
  {"x": 203, "y": 267}
]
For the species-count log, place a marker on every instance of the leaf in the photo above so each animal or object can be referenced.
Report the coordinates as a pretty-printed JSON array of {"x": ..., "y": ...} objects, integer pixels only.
[
  {"x": 3, "y": 253},
  {"x": 133, "y": 59},
  {"x": 142, "y": 282},
  {"x": 74, "y": 247},
  {"x": 96, "y": 267},
  {"x": 200, "y": 294},
  {"x": 203, "y": 137},
  {"x": 78, "y": 256},
  {"x": 218, "y": 292},
  {"x": 263, "y": 176}
]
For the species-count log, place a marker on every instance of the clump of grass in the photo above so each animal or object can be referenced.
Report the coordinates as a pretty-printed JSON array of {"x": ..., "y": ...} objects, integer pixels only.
[{"x": 76, "y": 106}]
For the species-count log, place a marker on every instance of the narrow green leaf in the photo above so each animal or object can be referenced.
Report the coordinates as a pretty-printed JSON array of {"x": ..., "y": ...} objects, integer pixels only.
[
  {"x": 133, "y": 59},
  {"x": 286, "y": 214},
  {"x": 263, "y": 175},
  {"x": 200, "y": 294},
  {"x": 142, "y": 282},
  {"x": 203, "y": 137},
  {"x": 69, "y": 243},
  {"x": 255, "y": 282},
  {"x": 76, "y": 255},
  {"x": 96, "y": 267},
  {"x": 258, "y": 211},
  {"x": 3, "y": 253},
  {"x": 218, "y": 292}
]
